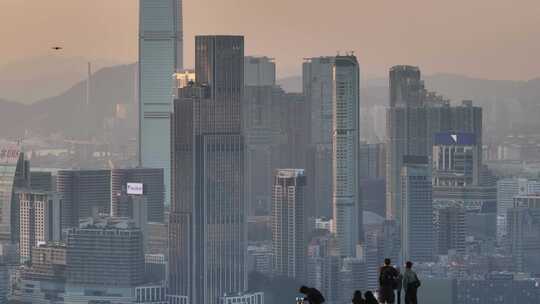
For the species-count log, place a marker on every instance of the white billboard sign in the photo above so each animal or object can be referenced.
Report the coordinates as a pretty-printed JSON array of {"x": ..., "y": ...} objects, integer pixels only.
[{"x": 135, "y": 188}]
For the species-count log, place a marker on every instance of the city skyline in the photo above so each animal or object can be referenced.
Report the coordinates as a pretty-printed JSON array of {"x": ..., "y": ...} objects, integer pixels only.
[
  {"x": 442, "y": 38},
  {"x": 197, "y": 175}
]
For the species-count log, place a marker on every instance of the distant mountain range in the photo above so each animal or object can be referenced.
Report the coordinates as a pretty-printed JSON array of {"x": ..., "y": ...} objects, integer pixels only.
[
  {"x": 454, "y": 87},
  {"x": 41, "y": 77},
  {"x": 504, "y": 102},
  {"x": 67, "y": 112}
]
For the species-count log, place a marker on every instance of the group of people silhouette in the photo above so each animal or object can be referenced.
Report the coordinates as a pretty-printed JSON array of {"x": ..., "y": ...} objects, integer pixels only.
[{"x": 391, "y": 283}]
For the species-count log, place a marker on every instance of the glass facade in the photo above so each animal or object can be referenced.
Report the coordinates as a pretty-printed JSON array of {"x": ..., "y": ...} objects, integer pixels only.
[
  {"x": 417, "y": 242},
  {"x": 160, "y": 56},
  {"x": 208, "y": 237},
  {"x": 14, "y": 173},
  {"x": 318, "y": 88}
]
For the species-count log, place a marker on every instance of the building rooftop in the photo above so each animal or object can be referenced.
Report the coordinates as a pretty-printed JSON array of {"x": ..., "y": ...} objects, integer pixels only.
[
  {"x": 404, "y": 68},
  {"x": 289, "y": 173},
  {"x": 107, "y": 223}
]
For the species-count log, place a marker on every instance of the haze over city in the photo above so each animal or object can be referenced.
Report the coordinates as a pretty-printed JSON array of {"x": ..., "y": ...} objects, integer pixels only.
[
  {"x": 269, "y": 152},
  {"x": 492, "y": 39}
]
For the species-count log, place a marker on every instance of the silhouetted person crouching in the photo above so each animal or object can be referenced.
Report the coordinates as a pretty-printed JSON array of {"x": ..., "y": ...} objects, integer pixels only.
[
  {"x": 357, "y": 298},
  {"x": 370, "y": 298},
  {"x": 312, "y": 295}
]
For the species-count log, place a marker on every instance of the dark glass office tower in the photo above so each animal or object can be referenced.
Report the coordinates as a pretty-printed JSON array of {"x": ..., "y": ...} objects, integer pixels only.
[
  {"x": 14, "y": 174},
  {"x": 417, "y": 242},
  {"x": 41, "y": 180},
  {"x": 318, "y": 88},
  {"x": 207, "y": 232},
  {"x": 84, "y": 194},
  {"x": 406, "y": 86},
  {"x": 153, "y": 191},
  {"x": 104, "y": 254}
]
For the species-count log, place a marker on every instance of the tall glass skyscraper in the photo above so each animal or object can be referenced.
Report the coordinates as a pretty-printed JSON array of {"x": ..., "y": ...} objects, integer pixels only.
[
  {"x": 207, "y": 227},
  {"x": 153, "y": 191},
  {"x": 345, "y": 143},
  {"x": 160, "y": 56},
  {"x": 84, "y": 193},
  {"x": 405, "y": 129},
  {"x": 317, "y": 88},
  {"x": 14, "y": 173},
  {"x": 416, "y": 210},
  {"x": 406, "y": 86}
]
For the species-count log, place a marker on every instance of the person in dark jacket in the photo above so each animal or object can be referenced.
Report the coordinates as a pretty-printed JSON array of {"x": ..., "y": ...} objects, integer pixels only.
[
  {"x": 312, "y": 295},
  {"x": 357, "y": 298},
  {"x": 388, "y": 277},
  {"x": 399, "y": 286},
  {"x": 370, "y": 298}
]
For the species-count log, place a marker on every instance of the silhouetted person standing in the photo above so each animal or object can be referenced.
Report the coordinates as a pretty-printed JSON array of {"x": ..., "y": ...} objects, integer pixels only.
[
  {"x": 312, "y": 295},
  {"x": 388, "y": 276},
  {"x": 357, "y": 298},
  {"x": 399, "y": 286},
  {"x": 370, "y": 298},
  {"x": 411, "y": 283}
]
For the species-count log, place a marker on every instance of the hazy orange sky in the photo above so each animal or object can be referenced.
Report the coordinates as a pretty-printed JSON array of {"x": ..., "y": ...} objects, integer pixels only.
[{"x": 496, "y": 39}]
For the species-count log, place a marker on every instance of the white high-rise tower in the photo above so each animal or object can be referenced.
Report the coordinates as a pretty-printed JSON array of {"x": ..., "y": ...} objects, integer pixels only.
[
  {"x": 345, "y": 143},
  {"x": 160, "y": 56}
]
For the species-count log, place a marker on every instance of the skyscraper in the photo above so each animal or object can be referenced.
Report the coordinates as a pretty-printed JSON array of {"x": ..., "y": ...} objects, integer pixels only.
[
  {"x": 345, "y": 165},
  {"x": 373, "y": 196},
  {"x": 450, "y": 229},
  {"x": 260, "y": 128},
  {"x": 406, "y": 135},
  {"x": 259, "y": 71},
  {"x": 372, "y": 160},
  {"x": 455, "y": 160},
  {"x": 414, "y": 116},
  {"x": 105, "y": 252},
  {"x": 352, "y": 276},
  {"x": 317, "y": 74},
  {"x": 152, "y": 189},
  {"x": 41, "y": 180},
  {"x": 104, "y": 258},
  {"x": 404, "y": 131},
  {"x": 14, "y": 174},
  {"x": 417, "y": 210},
  {"x": 507, "y": 189},
  {"x": 289, "y": 242},
  {"x": 39, "y": 220},
  {"x": 318, "y": 86},
  {"x": 160, "y": 56},
  {"x": 207, "y": 228},
  {"x": 84, "y": 193},
  {"x": 523, "y": 228},
  {"x": 458, "y": 189},
  {"x": 406, "y": 86}
]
